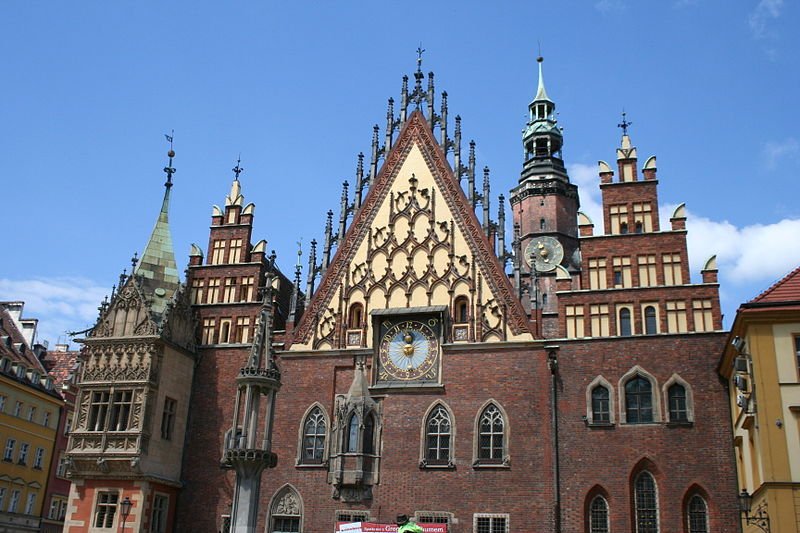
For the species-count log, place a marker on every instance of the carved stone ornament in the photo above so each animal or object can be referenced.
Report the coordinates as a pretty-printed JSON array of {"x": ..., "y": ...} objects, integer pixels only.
[
  {"x": 288, "y": 505},
  {"x": 410, "y": 205}
]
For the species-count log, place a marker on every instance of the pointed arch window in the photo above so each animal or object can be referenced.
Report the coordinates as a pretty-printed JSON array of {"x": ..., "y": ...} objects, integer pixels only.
[
  {"x": 598, "y": 515},
  {"x": 438, "y": 433},
  {"x": 286, "y": 513},
  {"x": 638, "y": 401},
  {"x": 678, "y": 411},
  {"x": 369, "y": 435},
  {"x": 314, "y": 434},
  {"x": 491, "y": 436},
  {"x": 646, "y": 503},
  {"x": 351, "y": 446},
  {"x": 601, "y": 412},
  {"x": 697, "y": 515}
]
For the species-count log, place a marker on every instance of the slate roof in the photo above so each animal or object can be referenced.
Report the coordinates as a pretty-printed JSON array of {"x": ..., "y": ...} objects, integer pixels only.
[{"x": 787, "y": 289}]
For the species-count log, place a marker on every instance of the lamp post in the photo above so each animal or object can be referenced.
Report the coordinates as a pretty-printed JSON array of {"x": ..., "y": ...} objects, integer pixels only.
[
  {"x": 760, "y": 519},
  {"x": 125, "y": 509}
]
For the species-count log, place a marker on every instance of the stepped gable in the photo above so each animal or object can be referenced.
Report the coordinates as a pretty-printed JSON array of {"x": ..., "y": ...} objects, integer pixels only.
[
  {"x": 787, "y": 289},
  {"x": 417, "y": 132}
]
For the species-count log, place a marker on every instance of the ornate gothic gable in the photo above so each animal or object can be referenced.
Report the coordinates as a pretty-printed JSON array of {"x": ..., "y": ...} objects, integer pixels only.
[
  {"x": 128, "y": 314},
  {"x": 414, "y": 243}
]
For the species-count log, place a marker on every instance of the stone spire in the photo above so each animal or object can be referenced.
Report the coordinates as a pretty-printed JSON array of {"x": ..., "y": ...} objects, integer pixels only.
[{"x": 248, "y": 446}]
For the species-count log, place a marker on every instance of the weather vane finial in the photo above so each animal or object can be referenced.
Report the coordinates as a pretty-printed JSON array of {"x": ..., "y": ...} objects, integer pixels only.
[
  {"x": 624, "y": 124},
  {"x": 169, "y": 169},
  {"x": 238, "y": 169},
  {"x": 539, "y": 58},
  {"x": 420, "y": 51}
]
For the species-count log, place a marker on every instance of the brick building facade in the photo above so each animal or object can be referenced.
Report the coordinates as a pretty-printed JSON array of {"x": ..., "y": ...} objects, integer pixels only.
[{"x": 565, "y": 384}]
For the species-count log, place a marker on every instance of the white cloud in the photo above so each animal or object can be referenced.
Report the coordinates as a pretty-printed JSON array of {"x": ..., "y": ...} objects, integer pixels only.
[
  {"x": 588, "y": 180},
  {"x": 762, "y": 15},
  {"x": 60, "y": 304},
  {"x": 758, "y": 254},
  {"x": 776, "y": 151}
]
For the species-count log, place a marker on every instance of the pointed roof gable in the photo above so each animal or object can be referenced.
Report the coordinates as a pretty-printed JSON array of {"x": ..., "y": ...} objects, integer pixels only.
[
  {"x": 786, "y": 289},
  {"x": 416, "y": 132}
]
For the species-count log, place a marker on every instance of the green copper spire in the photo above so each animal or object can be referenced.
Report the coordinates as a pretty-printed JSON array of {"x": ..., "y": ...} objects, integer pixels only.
[
  {"x": 157, "y": 270},
  {"x": 542, "y": 138},
  {"x": 541, "y": 94}
]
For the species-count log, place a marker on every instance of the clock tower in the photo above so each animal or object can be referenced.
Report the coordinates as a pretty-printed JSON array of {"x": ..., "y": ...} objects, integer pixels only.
[{"x": 545, "y": 209}]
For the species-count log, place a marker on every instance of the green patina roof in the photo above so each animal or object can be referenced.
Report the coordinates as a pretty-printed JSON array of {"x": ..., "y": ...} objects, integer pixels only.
[{"x": 157, "y": 270}]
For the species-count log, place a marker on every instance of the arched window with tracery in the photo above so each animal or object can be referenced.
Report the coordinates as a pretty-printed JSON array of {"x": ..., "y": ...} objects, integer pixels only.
[
  {"x": 491, "y": 435},
  {"x": 438, "y": 433},
  {"x": 598, "y": 515},
  {"x": 314, "y": 434},
  {"x": 645, "y": 503},
  {"x": 697, "y": 515},
  {"x": 286, "y": 512},
  {"x": 638, "y": 401}
]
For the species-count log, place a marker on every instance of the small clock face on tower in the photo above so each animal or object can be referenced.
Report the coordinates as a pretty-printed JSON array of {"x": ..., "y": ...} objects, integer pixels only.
[{"x": 408, "y": 349}]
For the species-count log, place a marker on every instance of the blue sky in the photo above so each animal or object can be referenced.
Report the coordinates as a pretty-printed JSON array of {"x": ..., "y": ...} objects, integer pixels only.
[{"x": 89, "y": 89}]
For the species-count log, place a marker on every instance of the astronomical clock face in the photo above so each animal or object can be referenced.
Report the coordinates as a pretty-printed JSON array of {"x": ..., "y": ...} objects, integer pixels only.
[{"x": 408, "y": 349}]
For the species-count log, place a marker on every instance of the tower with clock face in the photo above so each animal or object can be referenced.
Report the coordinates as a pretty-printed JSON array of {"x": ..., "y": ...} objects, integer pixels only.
[{"x": 408, "y": 348}]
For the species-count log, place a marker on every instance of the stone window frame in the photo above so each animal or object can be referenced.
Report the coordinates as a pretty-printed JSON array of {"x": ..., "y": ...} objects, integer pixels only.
[
  {"x": 164, "y": 516},
  {"x": 99, "y": 491},
  {"x": 655, "y": 391},
  {"x": 299, "y": 459},
  {"x": 600, "y": 381},
  {"x": 643, "y": 308},
  {"x": 423, "y": 448},
  {"x": 673, "y": 380},
  {"x": 631, "y": 319},
  {"x": 277, "y": 500},
  {"x": 477, "y": 461},
  {"x": 501, "y": 516}
]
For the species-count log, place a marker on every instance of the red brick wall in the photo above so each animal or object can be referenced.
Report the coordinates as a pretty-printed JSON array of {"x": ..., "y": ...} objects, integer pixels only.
[{"x": 681, "y": 457}]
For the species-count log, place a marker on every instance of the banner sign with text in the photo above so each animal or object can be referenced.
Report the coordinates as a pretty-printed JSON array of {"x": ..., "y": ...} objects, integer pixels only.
[{"x": 371, "y": 527}]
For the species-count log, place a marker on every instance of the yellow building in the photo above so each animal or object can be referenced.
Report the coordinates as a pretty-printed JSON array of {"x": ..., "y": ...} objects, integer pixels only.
[
  {"x": 762, "y": 366},
  {"x": 29, "y": 411}
]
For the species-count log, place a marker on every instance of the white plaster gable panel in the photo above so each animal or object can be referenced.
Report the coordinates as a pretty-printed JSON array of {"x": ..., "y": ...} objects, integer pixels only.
[{"x": 412, "y": 251}]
